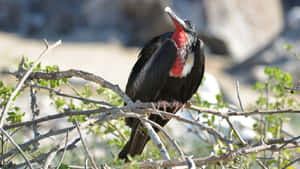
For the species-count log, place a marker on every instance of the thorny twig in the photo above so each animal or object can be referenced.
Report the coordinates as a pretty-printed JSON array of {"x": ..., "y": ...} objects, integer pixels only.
[{"x": 35, "y": 112}]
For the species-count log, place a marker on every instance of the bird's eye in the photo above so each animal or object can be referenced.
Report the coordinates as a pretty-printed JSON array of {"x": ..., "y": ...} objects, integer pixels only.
[{"x": 188, "y": 23}]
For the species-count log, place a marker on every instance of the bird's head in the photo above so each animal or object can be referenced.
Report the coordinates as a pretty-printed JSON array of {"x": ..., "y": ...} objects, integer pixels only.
[{"x": 184, "y": 36}]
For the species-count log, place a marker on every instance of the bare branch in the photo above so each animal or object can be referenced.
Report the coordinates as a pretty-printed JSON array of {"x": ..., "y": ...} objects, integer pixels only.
[
  {"x": 17, "y": 147},
  {"x": 191, "y": 163},
  {"x": 35, "y": 112},
  {"x": 83, "y": 75},
  {"x": 261, "y": 164},
  {"x": 73, "y": 97},
  {"x": 41, "y": 158},
  {"x": 85, "y": 146},
  {"x": 65, "y": 149},
  {"x": 246, "y": 113},
  {"x": 34, "y": 140},
  {"x": 291, "y": 163},
  {"x": 173, "y": 141},
  {"x": 237, "y": 85},
  {"x": 236, "y": 132},
  {"x": 229, "y": 156},
  {"x": 158, "y": 143}
]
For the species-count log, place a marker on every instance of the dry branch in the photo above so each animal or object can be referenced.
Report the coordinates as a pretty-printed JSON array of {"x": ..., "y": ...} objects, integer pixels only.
[{"x": 216, "y": 159}]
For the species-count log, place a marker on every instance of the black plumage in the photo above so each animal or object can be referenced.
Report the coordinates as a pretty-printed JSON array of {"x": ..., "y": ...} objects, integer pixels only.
[{"x": 150, "y": 81}]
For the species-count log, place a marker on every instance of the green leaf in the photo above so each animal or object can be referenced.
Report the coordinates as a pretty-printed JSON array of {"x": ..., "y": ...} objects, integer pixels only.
[
  {"x": 297, "y": 150},
  {"x": 52, "y": 83},
  {"x": 44, "y": 83},
  {"x": 64, "y": 166},
  {"x": 65, "y": 80},
  {"x": 59, "y": 103},
  {"x": 288, "y": 47}
]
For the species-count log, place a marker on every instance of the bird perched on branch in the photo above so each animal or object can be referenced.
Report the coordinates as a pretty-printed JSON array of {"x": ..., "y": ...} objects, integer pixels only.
[{"x": 169, "y": 69}]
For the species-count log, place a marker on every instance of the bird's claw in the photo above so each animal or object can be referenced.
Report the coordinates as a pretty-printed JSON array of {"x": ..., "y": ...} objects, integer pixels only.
[
  {"x": 177, "y": 106},
  {"x": 162, "y": 104}
]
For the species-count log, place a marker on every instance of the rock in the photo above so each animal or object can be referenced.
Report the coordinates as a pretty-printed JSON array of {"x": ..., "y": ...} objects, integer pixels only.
[
  {"x": 273, "y": 54},
  {"x": 146, "y": 19},
  {"x": 246, "y": 25},
  {"x": 11, "y": 12},
  {"x": 293, "y": 18}
]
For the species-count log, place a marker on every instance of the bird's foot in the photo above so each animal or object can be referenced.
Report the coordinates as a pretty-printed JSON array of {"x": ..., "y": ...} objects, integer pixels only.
[
  {"x": 177, "y": 106},
  {"x": 162, "y": 104}
]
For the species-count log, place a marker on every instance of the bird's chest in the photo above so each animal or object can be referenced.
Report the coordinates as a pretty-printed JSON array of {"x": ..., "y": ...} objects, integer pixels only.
[{"x": 186, "y": 68}]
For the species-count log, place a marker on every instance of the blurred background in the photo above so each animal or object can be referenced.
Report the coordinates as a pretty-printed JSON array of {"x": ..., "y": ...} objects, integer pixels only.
[{"x": 105, "y": 36}]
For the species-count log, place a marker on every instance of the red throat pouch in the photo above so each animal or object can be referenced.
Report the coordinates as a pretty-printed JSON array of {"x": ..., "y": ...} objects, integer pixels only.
[{"x": 179, "y": 37}]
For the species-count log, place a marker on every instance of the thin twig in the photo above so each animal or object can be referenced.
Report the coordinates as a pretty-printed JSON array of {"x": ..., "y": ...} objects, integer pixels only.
[
  {"x": 24, "y": 78},
  {"x": 158, "y": 143},
  {"x": 118, "y": 130},
  {"x": 236, "y": 132},
  {"x": 291, "y": 163},
  {"x": 65, "y": 149},
  {"x": 246, "y": 113},
  {"x": 86, "y": 163},
  {"x": 42, "y": 158},
  {"x": 85, "y": 146},
  {"x": 261, "y": 164},
  {"x": 73, "y": 97},
  {"x": 173, "y": 141},
  {"x": 237, "y": 85},
  {"x": 17, "y": 146},
  {"x": 191, "y": 163},
  {"x": 34, "y": 140},
  {"x": 292, "y": 89}
]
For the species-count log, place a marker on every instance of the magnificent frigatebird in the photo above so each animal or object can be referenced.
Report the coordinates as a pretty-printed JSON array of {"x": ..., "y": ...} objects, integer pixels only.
[{"x": 169, "y": 68}]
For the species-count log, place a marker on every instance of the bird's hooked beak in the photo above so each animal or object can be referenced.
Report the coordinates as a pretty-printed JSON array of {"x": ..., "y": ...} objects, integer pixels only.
[{"x": 179, "y": 23}]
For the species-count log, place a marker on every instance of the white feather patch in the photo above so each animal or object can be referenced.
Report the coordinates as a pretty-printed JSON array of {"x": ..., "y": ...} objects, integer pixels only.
[{"x": 187, "y": 66}]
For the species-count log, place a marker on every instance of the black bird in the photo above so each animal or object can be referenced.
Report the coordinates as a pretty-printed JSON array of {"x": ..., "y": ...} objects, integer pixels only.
[{"x": 169, "y": 69}]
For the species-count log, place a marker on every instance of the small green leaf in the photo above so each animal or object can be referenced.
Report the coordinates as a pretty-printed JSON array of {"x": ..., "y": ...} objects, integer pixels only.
[
  {"x": 52, "y": 83},
  {"x": 288, "y": 47}
]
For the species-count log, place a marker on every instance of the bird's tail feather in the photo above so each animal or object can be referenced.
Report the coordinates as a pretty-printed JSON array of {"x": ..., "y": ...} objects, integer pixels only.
[{"x": 137, "y": 142}]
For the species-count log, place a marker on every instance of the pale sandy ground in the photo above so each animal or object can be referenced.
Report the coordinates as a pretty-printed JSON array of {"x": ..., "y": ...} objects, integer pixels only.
[{"x": 112, "y": 62}]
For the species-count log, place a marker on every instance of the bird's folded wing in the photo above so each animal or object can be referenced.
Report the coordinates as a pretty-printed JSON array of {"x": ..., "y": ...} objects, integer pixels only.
[{"x": 152, "y": 77}]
